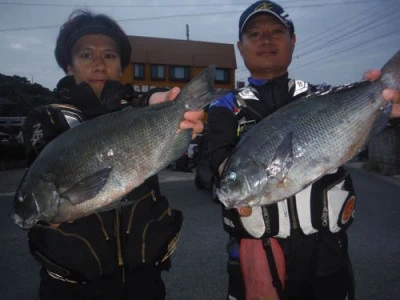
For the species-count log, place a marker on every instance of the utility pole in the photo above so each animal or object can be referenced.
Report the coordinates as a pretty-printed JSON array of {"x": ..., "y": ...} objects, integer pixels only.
[{"x": 187, "y": 32}]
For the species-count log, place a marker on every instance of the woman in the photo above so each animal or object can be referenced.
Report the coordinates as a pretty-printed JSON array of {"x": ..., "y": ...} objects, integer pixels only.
[{"x": 100, "y": 256}]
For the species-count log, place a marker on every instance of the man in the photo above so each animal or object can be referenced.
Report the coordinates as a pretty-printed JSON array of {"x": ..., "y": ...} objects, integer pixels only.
[
  {"x": 314, "y": 246},
  {"x": 113, "y": 254}
]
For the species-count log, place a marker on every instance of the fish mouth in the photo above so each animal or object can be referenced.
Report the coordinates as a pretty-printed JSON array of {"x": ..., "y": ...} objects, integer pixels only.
[{"x": 21, "y": 222}]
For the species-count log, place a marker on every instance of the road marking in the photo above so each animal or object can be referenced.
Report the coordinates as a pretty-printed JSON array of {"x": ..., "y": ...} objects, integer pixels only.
[{"x": 7, "y": 194}]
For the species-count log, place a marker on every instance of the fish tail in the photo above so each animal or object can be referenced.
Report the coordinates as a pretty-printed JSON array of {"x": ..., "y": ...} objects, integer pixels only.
[
  {"x": 201, "y": 91},
  {"x": 391, "y": 72}
]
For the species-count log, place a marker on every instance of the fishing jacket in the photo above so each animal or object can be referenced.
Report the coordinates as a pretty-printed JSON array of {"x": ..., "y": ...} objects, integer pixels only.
[
  {"x": 324, "y": 208},
  {"x": 107, "y": 244}
]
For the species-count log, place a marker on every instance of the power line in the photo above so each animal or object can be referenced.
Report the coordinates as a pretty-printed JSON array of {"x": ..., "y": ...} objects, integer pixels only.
[
  {"x": 219, "y": 4},
  {"x": 125, "y": 20}
]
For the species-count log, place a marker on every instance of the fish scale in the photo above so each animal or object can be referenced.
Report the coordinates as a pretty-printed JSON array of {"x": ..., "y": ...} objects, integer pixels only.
[{"x": 302, "y": 141}]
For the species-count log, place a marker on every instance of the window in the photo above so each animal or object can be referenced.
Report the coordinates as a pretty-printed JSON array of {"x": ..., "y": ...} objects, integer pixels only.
[
  {"x": 222, "y": 76},
  {"x": 138, "y": 71},
  {"x": 179, "y": 73},
  {"x": 157, "y": 72}
]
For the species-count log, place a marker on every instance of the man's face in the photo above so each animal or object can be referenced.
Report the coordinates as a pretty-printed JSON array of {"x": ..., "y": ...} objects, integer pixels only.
[
  {"x": 95, "y": 59},
  {"x": 266, "y": 47}
]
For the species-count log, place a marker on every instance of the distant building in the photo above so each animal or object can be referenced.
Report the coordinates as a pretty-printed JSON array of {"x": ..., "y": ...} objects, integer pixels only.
[{"x": 160, "y": 62}]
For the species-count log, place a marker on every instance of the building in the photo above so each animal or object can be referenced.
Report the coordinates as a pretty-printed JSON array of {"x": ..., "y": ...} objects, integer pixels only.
[{"x": 160, "y": 62}]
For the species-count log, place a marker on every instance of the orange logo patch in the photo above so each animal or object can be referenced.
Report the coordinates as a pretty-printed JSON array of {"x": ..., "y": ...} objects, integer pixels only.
[{"x": 348, "y": 209}]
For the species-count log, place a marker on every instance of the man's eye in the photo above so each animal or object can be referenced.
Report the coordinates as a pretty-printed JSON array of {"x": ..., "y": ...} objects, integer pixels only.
[
  {"x": 278, "y": 31},
  {"x": 254, "y": 34},
  {"x": 84, "y": 55},
  {"x": 110, "y": 56}
]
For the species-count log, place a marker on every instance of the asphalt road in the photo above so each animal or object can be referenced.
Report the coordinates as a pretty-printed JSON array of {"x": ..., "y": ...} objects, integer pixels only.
[{"x": 199, "y": 263}]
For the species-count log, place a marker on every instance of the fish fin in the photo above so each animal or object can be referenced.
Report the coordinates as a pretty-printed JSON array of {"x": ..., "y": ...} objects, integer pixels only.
[
  {"x": 283, "y": 159},
  {"x": 88, "y": 187},
  {"x": 382, "y": 121},
  {"x": 201, "y": 91}
]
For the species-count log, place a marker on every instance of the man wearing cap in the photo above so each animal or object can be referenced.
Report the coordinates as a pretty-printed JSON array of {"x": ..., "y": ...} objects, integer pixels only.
[
  {"x": 308, "y": 229},
  {"x": 113, "y": 254}
]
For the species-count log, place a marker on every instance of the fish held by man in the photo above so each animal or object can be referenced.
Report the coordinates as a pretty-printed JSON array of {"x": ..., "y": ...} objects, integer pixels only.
[
  {"x": 310, "y": 137},
  {"x": 90, "y": 167}
]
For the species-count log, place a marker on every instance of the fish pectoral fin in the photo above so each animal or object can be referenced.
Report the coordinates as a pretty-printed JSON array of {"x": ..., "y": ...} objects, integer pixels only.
[
  {"x": 88, "y": 187},
  {"x": 282, "y": 160}
]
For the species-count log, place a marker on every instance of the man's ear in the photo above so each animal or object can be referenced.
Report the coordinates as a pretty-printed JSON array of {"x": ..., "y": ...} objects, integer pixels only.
[
  {"x": 69, "y": 70},
  {"x": 239, "y": 46},
  {"x": 293, "y": 42}
]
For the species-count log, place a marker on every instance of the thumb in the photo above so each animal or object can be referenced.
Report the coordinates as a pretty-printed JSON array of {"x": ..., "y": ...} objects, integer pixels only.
[
  {"x": 173, "y": 93},
  {"x": 244, "y": 211}
]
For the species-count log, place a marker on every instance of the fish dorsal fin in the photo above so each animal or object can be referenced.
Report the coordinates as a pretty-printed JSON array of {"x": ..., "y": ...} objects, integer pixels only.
[
  {"x": 282, "y": 160},
  {"x": 88, "y": 187}
]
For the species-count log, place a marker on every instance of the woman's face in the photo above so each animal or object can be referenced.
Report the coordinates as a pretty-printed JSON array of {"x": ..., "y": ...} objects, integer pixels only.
[{"x": 95, "y": 59}]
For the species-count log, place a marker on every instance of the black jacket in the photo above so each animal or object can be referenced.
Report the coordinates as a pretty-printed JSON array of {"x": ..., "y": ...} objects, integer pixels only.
[
  {"x": 103, "y": 246},
  {"x": 321, "y": 253}
]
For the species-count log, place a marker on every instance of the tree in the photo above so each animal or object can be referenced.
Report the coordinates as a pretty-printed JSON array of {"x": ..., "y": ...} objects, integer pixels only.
[{"x": 25, "y": 94}]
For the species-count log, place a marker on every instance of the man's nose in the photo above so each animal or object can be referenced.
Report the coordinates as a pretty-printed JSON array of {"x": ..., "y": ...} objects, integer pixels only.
[
  {"x": 266, "y": 37},
  {"x": 99, "y": 63}
]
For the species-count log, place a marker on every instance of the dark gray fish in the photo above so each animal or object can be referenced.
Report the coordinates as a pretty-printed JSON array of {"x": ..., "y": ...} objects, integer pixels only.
[
  {"x": 90, "y": 167},
  {"x": 306, "y": 139}
]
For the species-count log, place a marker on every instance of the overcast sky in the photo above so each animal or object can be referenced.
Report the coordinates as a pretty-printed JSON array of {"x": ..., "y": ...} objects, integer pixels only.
[{"x": 337, "y": 40}]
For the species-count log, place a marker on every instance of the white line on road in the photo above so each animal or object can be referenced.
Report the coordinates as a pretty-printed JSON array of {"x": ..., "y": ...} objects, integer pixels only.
[{"x": 7, "y": 194}]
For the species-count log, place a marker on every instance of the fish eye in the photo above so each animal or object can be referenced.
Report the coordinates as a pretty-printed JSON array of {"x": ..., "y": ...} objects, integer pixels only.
[{"x": 231, "y": 176}]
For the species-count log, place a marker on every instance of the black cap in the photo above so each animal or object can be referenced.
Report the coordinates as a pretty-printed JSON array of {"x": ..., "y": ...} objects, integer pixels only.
[{"x": 268, "y": 7}]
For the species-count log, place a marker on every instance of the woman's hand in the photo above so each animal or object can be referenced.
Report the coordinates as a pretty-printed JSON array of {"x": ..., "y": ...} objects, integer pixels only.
[{"x": 192, "y": 119}]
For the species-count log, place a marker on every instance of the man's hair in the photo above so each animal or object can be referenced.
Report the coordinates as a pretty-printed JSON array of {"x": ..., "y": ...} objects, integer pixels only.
[{"x": 83, "y": 22}]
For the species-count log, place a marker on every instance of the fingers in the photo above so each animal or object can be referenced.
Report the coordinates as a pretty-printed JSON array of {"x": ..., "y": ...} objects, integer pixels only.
[
  {"x": 193, "y": 120},
  {"x": 161, "y": 97},
  {"x": 245, "y": 211},
  {"x": 173, "y": 93},
  {"x": 372, "y": 75},
  {"x": 394, "y": 96}
]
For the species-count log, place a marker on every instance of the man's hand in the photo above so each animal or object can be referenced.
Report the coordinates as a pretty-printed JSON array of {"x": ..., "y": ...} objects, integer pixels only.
[
  {"x": 387, "y": 94},
  {"x": 192, "y": 119}
]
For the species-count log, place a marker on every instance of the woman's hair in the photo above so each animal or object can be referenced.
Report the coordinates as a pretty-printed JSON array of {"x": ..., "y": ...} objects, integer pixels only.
[{"x": 82, "y": 22}]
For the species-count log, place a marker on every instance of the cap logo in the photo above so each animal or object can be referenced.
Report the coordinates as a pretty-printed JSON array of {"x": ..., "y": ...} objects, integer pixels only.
[{"x": 264, "y": 5}]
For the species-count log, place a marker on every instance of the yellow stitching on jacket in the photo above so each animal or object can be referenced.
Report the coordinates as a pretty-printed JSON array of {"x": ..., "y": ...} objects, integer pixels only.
[
  {"x": 167, "y": 211},
  {"x": 102, "y": 226},
  {"x": 133, "y": 210},
  {"x": 117, "y": 234},
  {"x": 82, "y": 239}
]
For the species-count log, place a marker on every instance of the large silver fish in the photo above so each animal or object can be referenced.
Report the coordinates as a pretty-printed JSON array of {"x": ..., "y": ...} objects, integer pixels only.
[
  {"x": 299, "y": 143},
  {"x": 90, "y": 167}
]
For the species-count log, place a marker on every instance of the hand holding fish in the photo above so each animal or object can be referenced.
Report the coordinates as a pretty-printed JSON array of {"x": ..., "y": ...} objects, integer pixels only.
[
  {"x": 387, "y": 94},
  {"x": 192, "y": 119}
]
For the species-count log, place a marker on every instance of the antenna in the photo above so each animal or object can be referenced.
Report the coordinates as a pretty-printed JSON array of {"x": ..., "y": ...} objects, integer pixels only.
[{"x": 187, "y": 32}]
